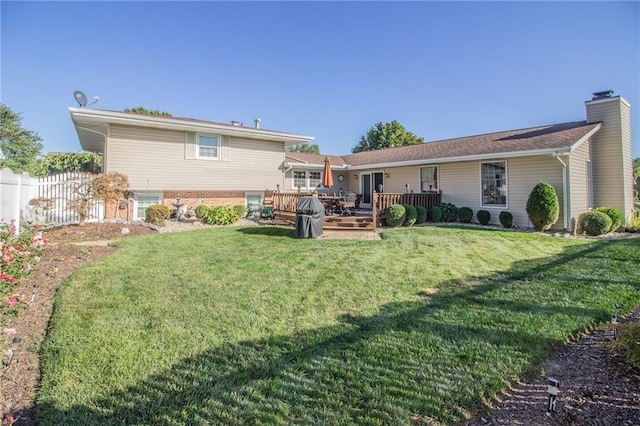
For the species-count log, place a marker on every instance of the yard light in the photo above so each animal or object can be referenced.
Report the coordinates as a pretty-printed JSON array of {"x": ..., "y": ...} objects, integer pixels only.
[
  {"x": 614, "y": 324},
  {"x": 552, "y": 390}
]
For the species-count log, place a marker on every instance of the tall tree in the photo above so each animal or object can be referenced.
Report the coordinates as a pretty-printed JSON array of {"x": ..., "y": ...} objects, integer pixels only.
[
  {"x": 636, "y": 176},
  {"x": 20, "y": 148},
  {"x": 303, "y": 147},
  {"x": 146, "y": 111},
  {"x": 386, "y": 135}
]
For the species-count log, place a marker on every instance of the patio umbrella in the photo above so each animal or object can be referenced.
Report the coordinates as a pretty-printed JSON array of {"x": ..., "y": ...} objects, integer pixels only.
[{"x": 327, "y": 178}]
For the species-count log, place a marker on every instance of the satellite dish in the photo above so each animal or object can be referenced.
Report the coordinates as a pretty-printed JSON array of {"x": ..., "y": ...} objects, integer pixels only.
[{"x": 81, "y": 98}]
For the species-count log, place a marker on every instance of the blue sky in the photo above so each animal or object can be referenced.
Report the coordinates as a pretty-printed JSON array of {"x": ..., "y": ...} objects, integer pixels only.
[{"x": 325, "y": 69}]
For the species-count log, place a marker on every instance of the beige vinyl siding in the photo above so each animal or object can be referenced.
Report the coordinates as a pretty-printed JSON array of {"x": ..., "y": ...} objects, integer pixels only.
[
  {"x": 460, "y": 184},
  {"x": 399, "y": 177},
  {"x": 578, "y": 183},
  {"x": 157, "y": 160},
  {"x": 612, "y": 154}
]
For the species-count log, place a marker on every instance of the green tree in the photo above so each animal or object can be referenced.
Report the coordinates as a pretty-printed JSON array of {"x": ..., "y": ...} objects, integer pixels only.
[
  {"x": 20, "y": 148},
  {"x": 146, "y": 111},
  {"x": 89, "y": 162},
  {"x": 386, "y": 135},
  {"x": 543, "y": 206},
  {"x": 303, "y": 147}
]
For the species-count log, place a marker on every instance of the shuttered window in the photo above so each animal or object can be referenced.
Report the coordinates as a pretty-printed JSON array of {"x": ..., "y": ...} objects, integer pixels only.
[{"x": 208, "y": 147}]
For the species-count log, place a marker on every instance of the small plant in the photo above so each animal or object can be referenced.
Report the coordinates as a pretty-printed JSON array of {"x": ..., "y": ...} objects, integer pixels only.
[
  {"x": 484, "y": 217},
  {"x": 629, "y": 339},
  {"x": 543, "y": 206},
  {"x": 202, "y": 211},
  {"x": 595, "y": 223},
  {"x": 84, "y": 253},
  {"x": 449, "y": 212},
  {"x": 613, "y": 213},
  {"x": 395, "y": 215},
  {"x": 157, "y": 214},
  {"x": 421, "y": 214},
  {"x": 634, "y": 223},
  {"x": 435, "y": 214},
  {"x": 506, "y": 219},
  {"x": 465, "y": 214},
  {"x": 411, "y": 215}
]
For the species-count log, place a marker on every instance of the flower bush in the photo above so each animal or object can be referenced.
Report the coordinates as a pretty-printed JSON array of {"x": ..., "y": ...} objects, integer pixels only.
[{"x": 17, "y": 258}]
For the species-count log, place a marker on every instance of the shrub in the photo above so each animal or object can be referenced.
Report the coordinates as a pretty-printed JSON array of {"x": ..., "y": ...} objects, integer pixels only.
[
  {"x": 157, "y": 214},
  {"x": 395, "y": 214},
  {"x": 614, "y": 214},
  {"x": 595, "y": 223},
  {"x": 629, "y": 338},
  {"x": 506, "y": 219},
  {"x": 465, "y": 214},
  {"x": 483, "y": 217},
  {"x": 221, "y": 215},
  {"x": 421, "y": 214},
  {"x": 202, "y": 211},
  {"x": 634, "y": 223},
  {"x": 411, "y": 215},
  {"x": 543, "y": 206},
  {"x": 449, "y": 212},
  {"x": 435, "y": 214}
]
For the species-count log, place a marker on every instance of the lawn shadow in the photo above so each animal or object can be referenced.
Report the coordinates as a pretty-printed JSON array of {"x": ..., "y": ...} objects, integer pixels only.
[
  {"x": 271, "y": 231},
  {"x": 411, "y": 361}
]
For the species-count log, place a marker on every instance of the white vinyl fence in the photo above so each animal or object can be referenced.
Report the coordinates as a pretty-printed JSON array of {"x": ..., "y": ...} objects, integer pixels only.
[
  {"x": 16, "y": 190},
  {"x": 15, "y": 193}
]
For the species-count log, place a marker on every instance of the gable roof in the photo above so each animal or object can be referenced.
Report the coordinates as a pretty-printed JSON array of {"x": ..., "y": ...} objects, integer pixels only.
[{"x": 548, "y": 139}]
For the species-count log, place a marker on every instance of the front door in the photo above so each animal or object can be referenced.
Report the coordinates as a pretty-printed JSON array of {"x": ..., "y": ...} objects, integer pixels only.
[{"x": 370, "y": 183}]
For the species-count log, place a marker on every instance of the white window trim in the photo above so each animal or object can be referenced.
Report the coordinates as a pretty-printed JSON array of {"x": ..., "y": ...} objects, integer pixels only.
[
  {"x": 506, "y": 177},
  {"x": 206, "y": 157},
  {"x": 307, "y": 179},
  {"x": 135, "y": 202},
  {"x": 437, "y": 166}
]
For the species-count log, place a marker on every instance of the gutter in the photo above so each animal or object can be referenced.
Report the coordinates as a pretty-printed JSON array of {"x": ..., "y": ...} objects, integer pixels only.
[{"x": 565, "y": 197}]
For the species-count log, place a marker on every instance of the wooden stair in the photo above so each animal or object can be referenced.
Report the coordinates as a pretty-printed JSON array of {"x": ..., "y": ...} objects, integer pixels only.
[{"x": 346, "y": 223}]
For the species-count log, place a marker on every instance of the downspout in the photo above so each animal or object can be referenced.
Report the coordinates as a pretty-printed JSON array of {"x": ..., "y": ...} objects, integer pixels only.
[{"x": 565, "y": 198}]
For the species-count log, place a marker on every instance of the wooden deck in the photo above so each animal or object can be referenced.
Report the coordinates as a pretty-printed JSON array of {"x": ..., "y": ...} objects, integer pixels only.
[{"x": 362, "y": 221}]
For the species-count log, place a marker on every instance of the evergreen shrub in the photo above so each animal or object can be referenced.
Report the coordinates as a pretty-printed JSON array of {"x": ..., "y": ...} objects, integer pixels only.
[
  {"x": 395, "y": 215},
  {"x": 506, "y": 219},
  {"x": 411, "y": 215},
  {"x": 543, "y": 206},
  {"x": 595, "y": 223},
  {"x": 435, "y": 214},
  {"x": 484, "y": 216},
  {"x": 465, "y": 214},
  {"x": 421, "y": 215},
  {"x": 449, "y": 212},
  {"x": 614, "y": 214}
]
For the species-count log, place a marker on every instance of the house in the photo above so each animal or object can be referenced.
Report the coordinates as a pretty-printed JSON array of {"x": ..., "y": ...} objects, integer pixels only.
[
  {"x": 587, "y": 162},
  {"x": 202, "y": 162}
]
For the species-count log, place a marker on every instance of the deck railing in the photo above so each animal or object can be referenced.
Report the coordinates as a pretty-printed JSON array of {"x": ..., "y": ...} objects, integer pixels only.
[
  {"x": 287, "y": 202},
  {"x": 382, "y": 200}
]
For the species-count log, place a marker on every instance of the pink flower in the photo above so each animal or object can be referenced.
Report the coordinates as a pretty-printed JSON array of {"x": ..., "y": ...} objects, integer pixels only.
[{"x": 12, "y": 300}]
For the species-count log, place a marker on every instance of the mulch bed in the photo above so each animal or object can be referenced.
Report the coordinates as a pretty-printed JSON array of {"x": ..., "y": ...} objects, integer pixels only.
[{"x": 597, "y": 385}]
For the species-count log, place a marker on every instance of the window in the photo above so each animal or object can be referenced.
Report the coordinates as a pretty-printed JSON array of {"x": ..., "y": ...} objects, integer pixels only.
[
  {"x": 306, "y": 180},
  {"x": 254, "y": 202},
  {"x": 314, "y": 179},
  {"x": 429, "y": 178},
  {"x": 142, "y": 201},
  {"x": 494, "y": 184},
  {"x": 208, "y": 146}
]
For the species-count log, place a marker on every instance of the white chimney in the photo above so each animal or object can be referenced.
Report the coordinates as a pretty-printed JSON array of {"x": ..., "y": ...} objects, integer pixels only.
[{"x": 257, "y": 121}]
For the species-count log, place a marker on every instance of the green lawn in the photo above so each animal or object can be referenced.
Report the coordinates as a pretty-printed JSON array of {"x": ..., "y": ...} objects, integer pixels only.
[{"x": 251, "y": 326}]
